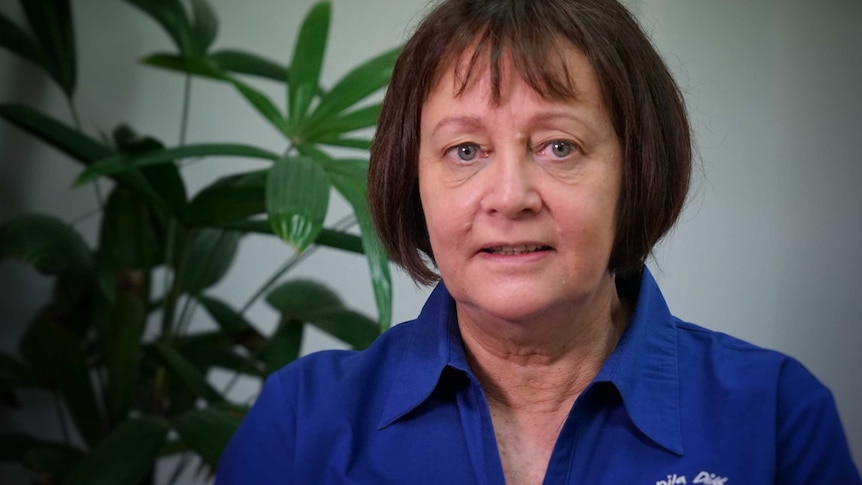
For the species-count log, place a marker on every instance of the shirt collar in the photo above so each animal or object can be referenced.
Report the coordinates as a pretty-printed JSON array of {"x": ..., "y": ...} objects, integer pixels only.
[
  {"x": 643, "y": 367},
  {"x": 431, "y": 340}
]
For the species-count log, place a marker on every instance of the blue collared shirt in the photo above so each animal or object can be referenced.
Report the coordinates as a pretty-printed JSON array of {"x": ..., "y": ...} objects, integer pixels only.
[{"x": 673, "y": 404}]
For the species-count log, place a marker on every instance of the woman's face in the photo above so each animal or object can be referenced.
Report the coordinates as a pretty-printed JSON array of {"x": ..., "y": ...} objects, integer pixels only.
[{"x": 520, "y": 196}]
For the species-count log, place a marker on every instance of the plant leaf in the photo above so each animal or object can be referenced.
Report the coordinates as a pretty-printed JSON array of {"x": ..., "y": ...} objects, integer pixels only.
[
  {"x": 207, "y": 432},
  {"x": 240, "y": 62},
  {"x": 327, "y": 237},
  {"x": 357, "y": 84},
  {"x": 232, "y": 323},
  {"x": 19, "y": 42},
  {"x": 297, "y": 196},
  {"x": 164, "y": 177},
  {"x": 300, "y": 298},
  {"x": 113, "y": 164},
  {"x": 337, "y": 125},
  {"x": 123, "y": 354},
  {"x": 218, "y": 64},
  {"x": 49, "y": 244},
  {"x": 207, "y": 67},
  {"x": 349, "y": 178},
  {"x": 307, "y": 62},
  {"x": 172, "y": 16},
  {"x": 283, "y": 346},
  {"x": 56, "y": 353},
  {"x": 124, "y": 456},
  {"x": 340, "y": 240},
  {"x": 16, "y": 374},
  {"x": 52, "y": 459},
  {"x": 197, "y": 66},
  {"x": 71, "y": 142},
  {"x": 44, "y": 457},
  {"x": 359, "y": 143},
  {"x": 127, "y": 238},
  {"x": 214, "y": 349},
  {"x": 51, "y": 23},
  {"x": 207, "y": 259},
  {"x": 261, "y": 103},
  {"x": 204, "y": 26},
  {"x": 187, "y": 373},
  {"x": 312, "y": 302},
  {"x": 59, "y": 135},
  {"x": 13, "y": 446},
  {"x": 228, "y": 199}
]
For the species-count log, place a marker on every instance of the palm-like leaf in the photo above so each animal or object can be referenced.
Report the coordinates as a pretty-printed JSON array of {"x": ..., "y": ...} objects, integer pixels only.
[
  {"x": 349, "y": 178},
  {"x": 207, "y": 431},
  {"x": 174, "y": 19},
  {"x": 18, "y": 41},
  {"x": 311, "y": 302},
  {"x": 51, "y": 23},
  {"x": 117, "y": 164},
  {"x": 297, "y": 195},
  {"x": 304, "y": 75},
  {"x": 357, "y": 84},
  {"x": 124, "y": 456}
]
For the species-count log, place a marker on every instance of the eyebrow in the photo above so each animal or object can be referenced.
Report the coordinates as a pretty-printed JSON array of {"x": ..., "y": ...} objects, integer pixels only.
[
  {"x": 461, "y": 122},
  {"x": 470, "y": 123},
  {"x": 550, "y": 117}
]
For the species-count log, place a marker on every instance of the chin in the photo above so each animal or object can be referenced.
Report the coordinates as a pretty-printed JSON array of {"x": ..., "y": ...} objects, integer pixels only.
[{"x": 516, "y": 307}]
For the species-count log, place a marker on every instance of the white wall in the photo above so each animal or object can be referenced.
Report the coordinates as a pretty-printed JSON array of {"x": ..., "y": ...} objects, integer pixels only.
[{"x": 767, "y": 249}]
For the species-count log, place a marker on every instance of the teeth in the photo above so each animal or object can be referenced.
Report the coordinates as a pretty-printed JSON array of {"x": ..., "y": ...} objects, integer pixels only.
[{"x": 511, "y": 250}]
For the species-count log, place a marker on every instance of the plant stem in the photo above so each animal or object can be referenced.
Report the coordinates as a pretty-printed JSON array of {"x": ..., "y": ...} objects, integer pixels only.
[
  {"x": 186, "y": 315},
  {"x": 187, "y": 96},
  {"x": 83, "y": 217},
  {"x": 342, "y": 224},
  {"x": 99, "y": 198},
  {"x": 77, "y": 121},
  {"x": 290, "y": 263},
  {"x": 169, "y": 299},
  {"x": 64, "y": 428},
  {"x": 184, "y": 461}
]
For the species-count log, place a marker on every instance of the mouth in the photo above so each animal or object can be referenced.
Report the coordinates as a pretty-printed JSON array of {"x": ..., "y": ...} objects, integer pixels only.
[{"x": 515, "y": 249}]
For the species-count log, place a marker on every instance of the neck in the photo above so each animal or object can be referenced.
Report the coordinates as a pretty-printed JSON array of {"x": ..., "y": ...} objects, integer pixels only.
[{"x": 542, "y": 365}]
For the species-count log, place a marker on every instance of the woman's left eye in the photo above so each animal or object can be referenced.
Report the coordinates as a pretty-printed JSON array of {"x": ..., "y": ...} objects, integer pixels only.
[{"x": 560, "y": 148}]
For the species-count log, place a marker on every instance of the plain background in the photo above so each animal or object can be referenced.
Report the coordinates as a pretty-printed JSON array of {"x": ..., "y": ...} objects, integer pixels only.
[{"x": 767, "y": 249}]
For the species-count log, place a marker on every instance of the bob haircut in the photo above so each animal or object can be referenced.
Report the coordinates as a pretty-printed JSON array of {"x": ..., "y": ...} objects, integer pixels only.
[{"x": 642, "y": 99}]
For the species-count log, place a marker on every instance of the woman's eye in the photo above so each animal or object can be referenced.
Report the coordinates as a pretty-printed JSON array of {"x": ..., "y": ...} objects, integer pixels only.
[
  {"x": 466, "y": 152},
  {"x": 561, "y": 149}
]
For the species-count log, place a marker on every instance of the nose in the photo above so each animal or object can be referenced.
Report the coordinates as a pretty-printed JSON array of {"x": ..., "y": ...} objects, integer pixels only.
[{"x": 511, "y": 186}]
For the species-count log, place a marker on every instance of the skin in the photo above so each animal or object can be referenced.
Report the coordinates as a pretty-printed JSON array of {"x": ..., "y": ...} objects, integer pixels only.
[{"x": 520, "y": 198}]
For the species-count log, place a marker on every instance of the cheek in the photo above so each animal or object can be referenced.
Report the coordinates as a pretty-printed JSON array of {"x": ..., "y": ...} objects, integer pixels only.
[{"x": 588, "y": 222}]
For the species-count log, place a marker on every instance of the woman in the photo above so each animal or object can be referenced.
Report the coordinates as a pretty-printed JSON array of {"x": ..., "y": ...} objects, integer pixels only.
[{"x": 529, "y": 155}]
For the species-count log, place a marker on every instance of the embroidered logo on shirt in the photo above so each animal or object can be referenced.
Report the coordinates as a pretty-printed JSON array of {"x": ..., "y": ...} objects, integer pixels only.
[{"x": 704, "y": 478}]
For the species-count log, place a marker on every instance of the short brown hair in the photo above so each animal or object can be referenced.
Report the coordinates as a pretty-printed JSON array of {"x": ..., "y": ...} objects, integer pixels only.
[{"x": 644, "y": 103}]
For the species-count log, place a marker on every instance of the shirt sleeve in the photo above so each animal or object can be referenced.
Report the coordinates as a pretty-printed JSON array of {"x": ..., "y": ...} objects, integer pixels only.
[
  {"x": 811, "y": 444},
  {"x": 262, "y": 449}
]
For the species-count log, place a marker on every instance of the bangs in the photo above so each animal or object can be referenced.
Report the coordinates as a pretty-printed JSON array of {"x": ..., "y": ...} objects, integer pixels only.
[{"x": 538, "y": 55}]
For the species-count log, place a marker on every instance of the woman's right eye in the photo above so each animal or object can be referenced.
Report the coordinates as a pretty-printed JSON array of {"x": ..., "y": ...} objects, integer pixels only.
[{"x": 466, "y": 152}]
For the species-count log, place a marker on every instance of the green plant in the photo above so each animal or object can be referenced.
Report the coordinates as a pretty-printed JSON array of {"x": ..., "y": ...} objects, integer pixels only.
[{"x": 133, "y": 399}]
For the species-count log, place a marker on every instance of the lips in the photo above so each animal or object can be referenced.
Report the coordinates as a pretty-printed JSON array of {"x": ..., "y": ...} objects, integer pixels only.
[{"x": 516, "y": 249}]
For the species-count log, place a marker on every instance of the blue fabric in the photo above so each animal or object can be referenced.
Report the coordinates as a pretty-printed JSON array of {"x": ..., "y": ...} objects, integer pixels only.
[{"x": 674, "y": 403}]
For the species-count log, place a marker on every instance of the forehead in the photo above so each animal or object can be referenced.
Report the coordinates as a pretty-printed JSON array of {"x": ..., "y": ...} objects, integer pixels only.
[
  {"x": 565, "y": 75},
  {"x": 458, "y": 105}
]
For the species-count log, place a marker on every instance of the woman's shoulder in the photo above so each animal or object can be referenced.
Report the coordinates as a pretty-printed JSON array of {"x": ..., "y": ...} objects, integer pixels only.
[
  {"x": 706, "y": 352},
  {"x": 766, "y": 399}
]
